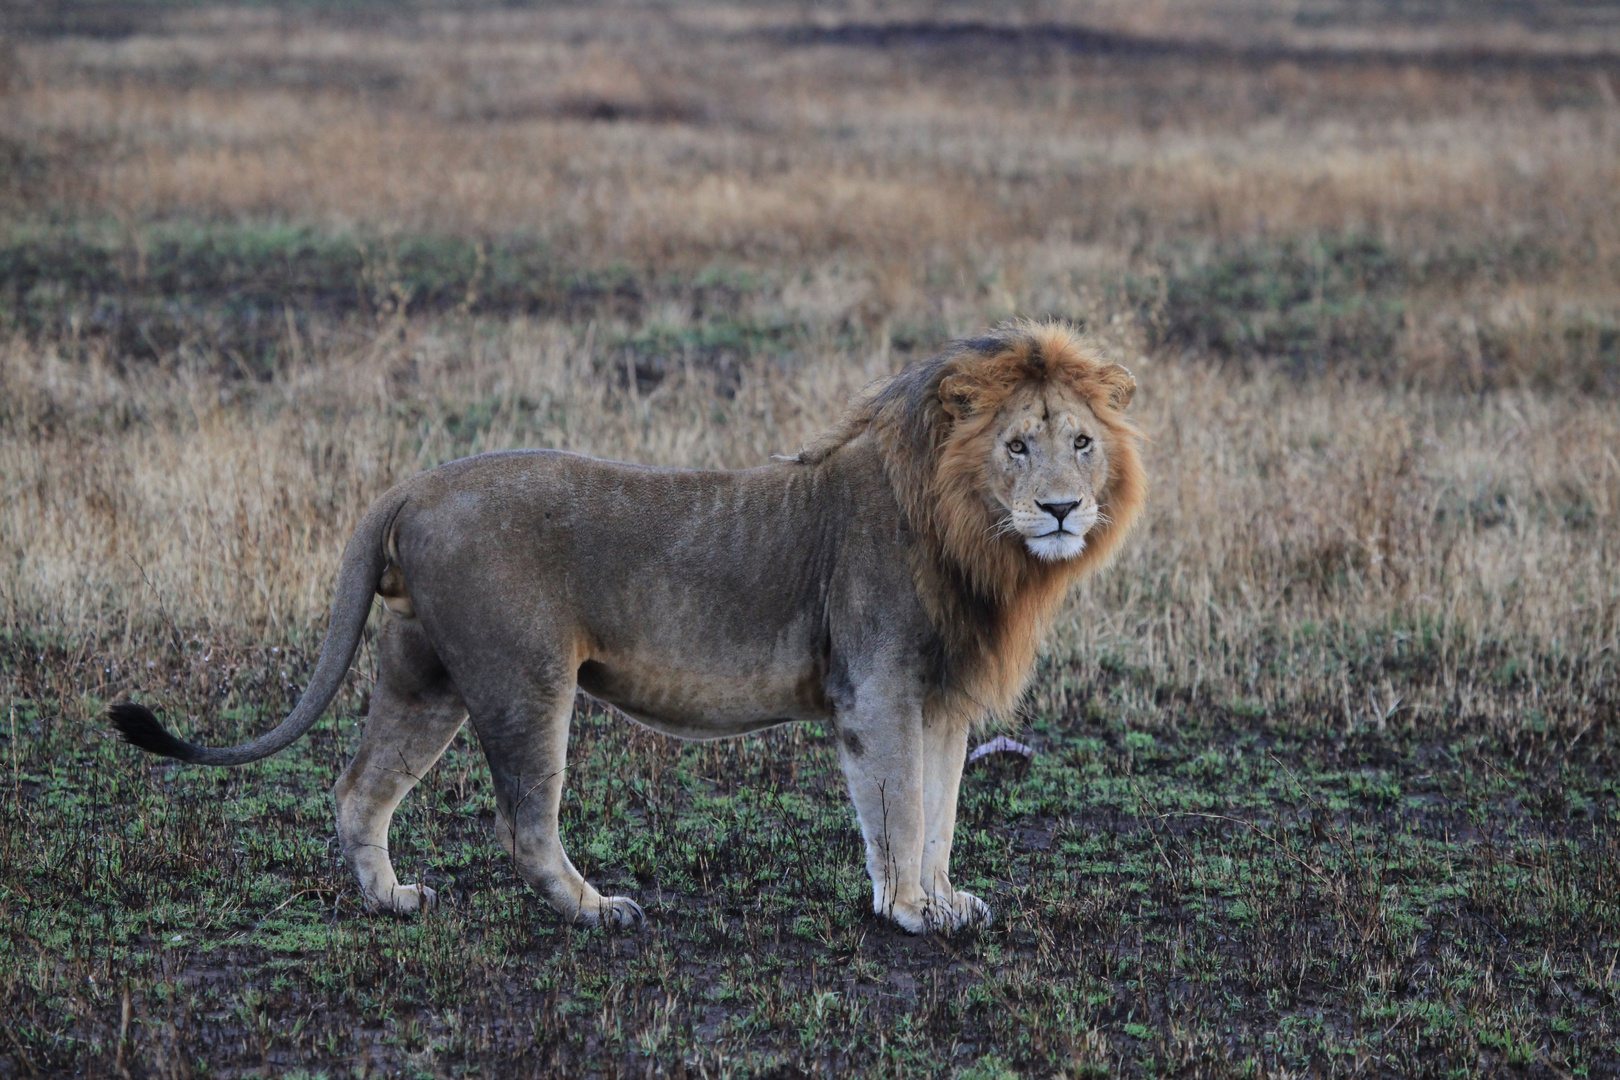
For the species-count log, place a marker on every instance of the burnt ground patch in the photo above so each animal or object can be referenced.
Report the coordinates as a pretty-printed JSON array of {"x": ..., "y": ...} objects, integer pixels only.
[
  {"x": 244, "y": 297},
  {"x": 1224, "y": 888},
  {"x": 1046, "y": 37},
  {"x": 1345, "y": 304}
]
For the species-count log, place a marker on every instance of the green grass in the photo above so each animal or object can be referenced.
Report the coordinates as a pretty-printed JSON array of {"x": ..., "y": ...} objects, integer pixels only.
[{"x": 1224, "y": 888}]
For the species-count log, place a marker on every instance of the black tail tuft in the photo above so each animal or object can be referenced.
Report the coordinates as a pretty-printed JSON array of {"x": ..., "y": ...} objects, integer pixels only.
[{"x": 139, "y": 726}]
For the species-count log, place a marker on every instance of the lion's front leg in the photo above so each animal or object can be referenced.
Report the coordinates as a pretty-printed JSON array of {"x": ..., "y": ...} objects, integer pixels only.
[
  {"x": 880, "y": 747},
  {"x": 944, "y": 752}
]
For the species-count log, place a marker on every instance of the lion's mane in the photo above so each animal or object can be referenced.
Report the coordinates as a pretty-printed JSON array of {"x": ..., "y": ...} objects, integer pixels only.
[{"x": 990, "y": 600}]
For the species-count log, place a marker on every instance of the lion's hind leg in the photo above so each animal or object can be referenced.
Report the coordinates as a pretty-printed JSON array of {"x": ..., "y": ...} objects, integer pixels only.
[
  {"x": 414, "y": 714},
  {"x": 526, "y": 743}
]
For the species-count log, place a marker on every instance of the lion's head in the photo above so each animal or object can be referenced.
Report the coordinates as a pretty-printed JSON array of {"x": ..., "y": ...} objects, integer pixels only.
[
  {"x": 1034, "y": 432},
  {"x": 1016, "y": 467}
]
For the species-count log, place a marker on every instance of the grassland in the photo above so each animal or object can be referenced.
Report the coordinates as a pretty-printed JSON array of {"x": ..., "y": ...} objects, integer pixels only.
[{"x": 1327, "y": 769}]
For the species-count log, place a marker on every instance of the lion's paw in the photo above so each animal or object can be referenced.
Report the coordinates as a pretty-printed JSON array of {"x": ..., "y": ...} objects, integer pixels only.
[
  {"x": 941, "y": 913},
  {"x": 614, "y": 913},
  {"x": 404, "y": 900},
  {"x": 947, "y": 913},
  {"x": 912, "y": 918}
]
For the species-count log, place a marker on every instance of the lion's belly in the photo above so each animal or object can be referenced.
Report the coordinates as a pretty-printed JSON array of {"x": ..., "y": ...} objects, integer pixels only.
[{"x": 678, "y": 700}]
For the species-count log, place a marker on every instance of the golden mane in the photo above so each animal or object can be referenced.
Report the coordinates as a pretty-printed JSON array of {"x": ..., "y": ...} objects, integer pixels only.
[{"x": 990, "y": 599}]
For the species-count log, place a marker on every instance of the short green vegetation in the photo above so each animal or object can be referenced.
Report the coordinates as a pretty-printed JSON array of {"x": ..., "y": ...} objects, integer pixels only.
[{"x": 1223, "y": 889}]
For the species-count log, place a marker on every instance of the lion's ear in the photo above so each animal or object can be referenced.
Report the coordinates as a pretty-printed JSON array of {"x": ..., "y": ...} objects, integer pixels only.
[
  {"x": 956, "y": 395},
  {"x": 1121, "y": 385}
]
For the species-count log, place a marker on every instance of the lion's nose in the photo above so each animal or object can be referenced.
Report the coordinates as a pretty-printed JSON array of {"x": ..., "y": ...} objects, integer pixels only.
[{"x": 1058, "y": 510}]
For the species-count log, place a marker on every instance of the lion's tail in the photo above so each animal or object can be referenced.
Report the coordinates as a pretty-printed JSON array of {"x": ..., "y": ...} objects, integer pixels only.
[{"x": 363, "y": 563}]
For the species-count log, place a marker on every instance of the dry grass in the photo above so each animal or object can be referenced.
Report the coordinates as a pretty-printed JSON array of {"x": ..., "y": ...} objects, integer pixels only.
[
  {"x": 1372, "y": 299},
  {"x": 1484, "y": 523}
]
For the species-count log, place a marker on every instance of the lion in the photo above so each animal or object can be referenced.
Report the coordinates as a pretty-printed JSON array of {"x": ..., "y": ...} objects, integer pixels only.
[{"x": 892, "y": 581}]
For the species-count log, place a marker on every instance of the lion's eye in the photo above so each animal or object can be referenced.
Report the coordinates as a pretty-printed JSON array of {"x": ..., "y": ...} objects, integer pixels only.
[
  {"x": 1082, "y": 441},
  {"x": 1017, "y": 446}
]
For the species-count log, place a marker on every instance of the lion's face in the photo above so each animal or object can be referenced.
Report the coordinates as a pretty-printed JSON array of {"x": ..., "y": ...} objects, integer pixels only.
[{"x": 1047, "y": 466}]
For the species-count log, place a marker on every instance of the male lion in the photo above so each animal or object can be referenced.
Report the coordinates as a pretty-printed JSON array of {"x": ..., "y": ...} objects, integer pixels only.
[{"x": 892, "y": 581}]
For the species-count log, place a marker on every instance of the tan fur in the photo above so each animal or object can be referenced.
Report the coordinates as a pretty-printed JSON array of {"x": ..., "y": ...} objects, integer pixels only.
[{"x": 894, "y": 582}]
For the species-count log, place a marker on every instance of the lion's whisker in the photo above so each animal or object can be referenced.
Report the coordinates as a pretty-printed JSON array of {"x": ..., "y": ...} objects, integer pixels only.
[{"x": 1003, "y": 528}]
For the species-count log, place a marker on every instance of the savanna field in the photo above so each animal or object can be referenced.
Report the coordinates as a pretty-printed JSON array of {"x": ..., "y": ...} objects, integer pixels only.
[{"x": 1327, "y": 771}]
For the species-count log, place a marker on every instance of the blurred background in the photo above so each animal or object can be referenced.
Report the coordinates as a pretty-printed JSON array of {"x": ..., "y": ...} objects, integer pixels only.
[{"x": 257, "y": 263}]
